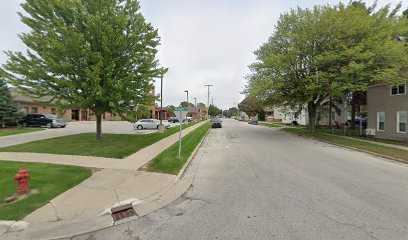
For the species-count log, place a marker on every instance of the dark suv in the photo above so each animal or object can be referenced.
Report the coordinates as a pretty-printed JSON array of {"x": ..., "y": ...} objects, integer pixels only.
[
  {"x": 173, "y": 119},
  {"x": 42, "y": 120}
]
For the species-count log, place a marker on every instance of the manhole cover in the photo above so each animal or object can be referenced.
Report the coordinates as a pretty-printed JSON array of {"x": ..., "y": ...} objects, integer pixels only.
[{"x": 122, "y": 212}]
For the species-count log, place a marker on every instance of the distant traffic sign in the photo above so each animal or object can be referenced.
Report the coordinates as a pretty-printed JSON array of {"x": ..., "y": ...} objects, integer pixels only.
[{"x": 182, "y": 109}]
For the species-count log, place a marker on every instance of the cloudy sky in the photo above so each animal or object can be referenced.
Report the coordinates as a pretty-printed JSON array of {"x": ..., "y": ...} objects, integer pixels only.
[{"x": 203, "y": 42}]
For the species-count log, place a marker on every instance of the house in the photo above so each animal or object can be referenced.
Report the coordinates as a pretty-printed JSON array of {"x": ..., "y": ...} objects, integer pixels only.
[
  {"x": 289, "y": 116},
  {"x": 198, "y": 113},
  {"x": 387, "y": 108},
  {"x": 165, "y": 114},
  {"x": 273, "y": 114},
  {"x": 42, "y": 105}
]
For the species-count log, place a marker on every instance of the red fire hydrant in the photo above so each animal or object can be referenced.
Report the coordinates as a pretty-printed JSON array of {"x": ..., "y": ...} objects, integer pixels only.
[{"x": 22, "y": 178}]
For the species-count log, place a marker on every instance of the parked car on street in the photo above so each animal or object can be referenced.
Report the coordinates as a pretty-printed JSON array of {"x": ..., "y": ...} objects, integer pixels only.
[
  {"x": 216, "y": 123},
  {"x": 253, "y": 121},
  {"x": 42, "y": 120},
  {"x": 149, "y": 124},
  {"x": 189, "y": 119},
  {"x": 173, "y": 119}
]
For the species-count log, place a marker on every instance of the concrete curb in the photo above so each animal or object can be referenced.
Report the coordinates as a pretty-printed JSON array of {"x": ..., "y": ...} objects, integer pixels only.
[
  {"x": 385, "y": 157},
  {"x": 184, "y": 168}
]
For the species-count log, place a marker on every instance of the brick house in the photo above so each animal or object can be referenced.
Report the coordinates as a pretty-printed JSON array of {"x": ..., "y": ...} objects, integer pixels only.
[
  {"x": 42, "y": 105},
  {"x": 198, "y": 113}
]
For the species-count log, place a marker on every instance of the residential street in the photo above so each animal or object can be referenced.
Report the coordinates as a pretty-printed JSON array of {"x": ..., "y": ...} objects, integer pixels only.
[{"x": 253, "y": 182}]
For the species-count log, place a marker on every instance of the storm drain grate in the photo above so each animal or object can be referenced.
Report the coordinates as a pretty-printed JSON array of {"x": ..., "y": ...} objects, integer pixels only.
[{"x": 122, "y": 212}]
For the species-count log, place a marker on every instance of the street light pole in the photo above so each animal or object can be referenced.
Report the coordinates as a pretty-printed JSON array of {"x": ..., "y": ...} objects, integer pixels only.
[
  {"x": 195, "y": 107},
  {"x": 161, "y": 99},
  {"x": 187, "y": 96},
  {"x": 208, "y": 97}
]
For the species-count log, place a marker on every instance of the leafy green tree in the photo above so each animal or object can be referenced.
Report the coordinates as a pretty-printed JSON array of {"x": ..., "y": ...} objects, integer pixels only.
[
  {"x": 186, "y": 104},
  {"x": 327, "y": 51},
  {"x": 90, "y": 54},
  {"x": 170, "y": 109},
  {"x": 214, "y": 111},
  {"x": 200, "y": 104},
  {"x": 8, "y": 108},
  {"x": 233, "y": 111},
  {"x": 251, "y": 106}
]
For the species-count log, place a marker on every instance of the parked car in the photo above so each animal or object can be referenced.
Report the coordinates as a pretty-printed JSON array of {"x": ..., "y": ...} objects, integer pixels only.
[
  {"x": 149, "y": 124},
  {"x": 253, "y": 121},
  {"x": 189, "y": 119},
  {"x": 173, "y": 119},
  {"x": 42, "y": 120},
  {"x": 357, "y": 122},
  {"x": 216, "y": 123}
]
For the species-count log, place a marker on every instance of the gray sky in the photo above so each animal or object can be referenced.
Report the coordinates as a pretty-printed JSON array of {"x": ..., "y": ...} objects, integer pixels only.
[{"x": 203, "y": 42}]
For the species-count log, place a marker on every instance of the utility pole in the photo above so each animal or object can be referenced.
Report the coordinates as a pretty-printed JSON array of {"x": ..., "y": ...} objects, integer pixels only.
[
  {"x": 212, "y": 101},
  {"x": 161, "y": 127},
  {"x": 195, "y": 107},
  {"x": 208, "y": 97}
]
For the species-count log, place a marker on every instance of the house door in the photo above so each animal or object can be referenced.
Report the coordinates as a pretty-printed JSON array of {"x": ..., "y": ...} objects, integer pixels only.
[
  {"x": 84, "y": 115},
  {"x": 75, "y": 115}
]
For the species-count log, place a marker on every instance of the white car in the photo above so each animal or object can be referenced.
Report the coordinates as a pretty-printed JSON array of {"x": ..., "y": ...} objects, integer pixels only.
[{"x": 149, "y": 124}]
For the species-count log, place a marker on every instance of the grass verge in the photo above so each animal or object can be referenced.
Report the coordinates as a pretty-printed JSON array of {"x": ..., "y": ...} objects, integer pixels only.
[
  {"x": 272, "y": 125},
  {"x": 112, "y": 145},
  {"x": 168, "y": 162},
  {"x": 12, "y": 131},
  {"x": 365, "y": 146},
  {"x": 49, "y": 179}
]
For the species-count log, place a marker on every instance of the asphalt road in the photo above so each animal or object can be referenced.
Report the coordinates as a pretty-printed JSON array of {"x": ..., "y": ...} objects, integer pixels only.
[{"x": 253, "y": 182}]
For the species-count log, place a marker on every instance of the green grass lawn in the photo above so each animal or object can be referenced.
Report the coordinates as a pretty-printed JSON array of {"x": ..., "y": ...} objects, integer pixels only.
[
  {"x": 367, "y": 146},
  {"x": 355, "y": 134},
  {"x": 12, "y": 131},
  {"x": 49, "y": 179},
  {"x": 272, "y": 124},
  {"x": 168, "y": 162},
  {"x": 112, "y": 145}
]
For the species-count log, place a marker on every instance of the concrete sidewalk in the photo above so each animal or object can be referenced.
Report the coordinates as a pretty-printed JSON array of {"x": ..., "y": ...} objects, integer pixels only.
[
  {"x": 132, "y": 162},
  {"x": 79, "y": 209}
]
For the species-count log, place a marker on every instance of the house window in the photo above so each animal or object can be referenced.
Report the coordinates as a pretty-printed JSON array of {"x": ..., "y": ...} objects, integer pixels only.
[
  {"x": 380, "y": 121},
  {"x": 34, "y": 110},
  {"x": 24, "y": 110},
  {"x": 53, "y": 111},
  {"x": 398, "y": 89},
  {"x": 402, "y": 122}
]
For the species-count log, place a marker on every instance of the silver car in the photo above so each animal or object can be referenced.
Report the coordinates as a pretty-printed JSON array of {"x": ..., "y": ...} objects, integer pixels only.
[
  {"x": 149, "y": 124},
  {"x": 56, "y": 122}
]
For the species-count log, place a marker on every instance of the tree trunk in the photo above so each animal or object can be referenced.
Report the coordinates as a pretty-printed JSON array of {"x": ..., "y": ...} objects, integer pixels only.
[
  {"x": 312, "y": 110},
  {"x": 353, "y": 113},
  {"x": 98, "y": 127},
  {"x": 330, "y": 112}
]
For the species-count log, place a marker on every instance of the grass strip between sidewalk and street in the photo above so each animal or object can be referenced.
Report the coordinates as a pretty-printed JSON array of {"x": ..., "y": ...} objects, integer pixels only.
[
  {"x": 12, "y": 131},
  {"x": 356, "y": 144},
  {"x": 112, "y": 145},
  {"x": 272, "y": 125},
  {"x": 168, "y": 162},
  {"x": 49, "y": 180}
]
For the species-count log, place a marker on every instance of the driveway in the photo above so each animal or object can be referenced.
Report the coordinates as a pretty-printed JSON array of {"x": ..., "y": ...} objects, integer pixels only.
[
  {"x": 116, "y": 127},
  {"x": 253, "y": 182}
]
